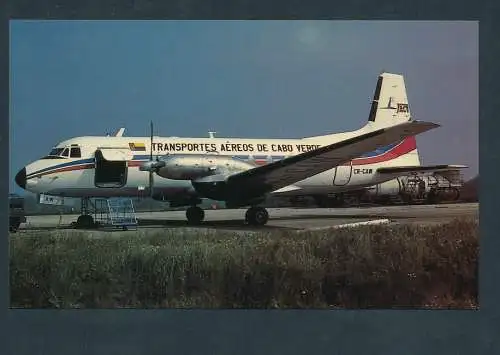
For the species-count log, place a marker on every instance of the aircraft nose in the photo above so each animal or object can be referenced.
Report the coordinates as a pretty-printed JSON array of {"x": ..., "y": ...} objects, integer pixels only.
[{"x": 21, "y": 178}]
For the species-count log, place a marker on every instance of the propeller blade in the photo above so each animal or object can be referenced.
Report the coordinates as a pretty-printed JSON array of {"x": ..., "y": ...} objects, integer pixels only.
[
  {"x": 151, "y": 177},
  {"x": 151, "y": 151},
  {"x": 152, "y": 165},
  {"x": 151, "y": 183}
]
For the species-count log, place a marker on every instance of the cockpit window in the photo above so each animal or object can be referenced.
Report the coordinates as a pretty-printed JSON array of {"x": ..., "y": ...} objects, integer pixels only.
[
  {"x": 76, "y": 153},
  {"x": 56, "y": 151},
  {"x": 61, "y": 153}
]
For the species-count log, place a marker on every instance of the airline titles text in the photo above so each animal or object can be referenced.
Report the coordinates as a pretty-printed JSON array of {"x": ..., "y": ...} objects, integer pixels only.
[{"x": 233, "y": 147}]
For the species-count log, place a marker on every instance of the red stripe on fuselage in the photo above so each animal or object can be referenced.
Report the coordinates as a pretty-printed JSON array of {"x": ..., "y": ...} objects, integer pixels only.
[
  {"x": 61, "y": 170},
  {"x": 405, "y": 147},
  {"x": 135, "y": 163}
]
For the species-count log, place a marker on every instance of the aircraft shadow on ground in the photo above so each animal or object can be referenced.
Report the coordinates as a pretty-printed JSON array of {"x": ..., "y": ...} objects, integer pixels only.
[
  {"x": 166, "y": 223},
  {"x": 233, "y": 224},
  {"x": 220, "y": 224}
]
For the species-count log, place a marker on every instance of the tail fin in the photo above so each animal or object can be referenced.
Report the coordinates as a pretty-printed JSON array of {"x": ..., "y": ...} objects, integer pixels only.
[
  {"x": 389, "y": 107},
  {"x": 390, "y": 103}
]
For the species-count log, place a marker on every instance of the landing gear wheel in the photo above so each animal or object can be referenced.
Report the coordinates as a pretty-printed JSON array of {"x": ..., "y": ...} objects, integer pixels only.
[
  {"x": 257, "y": 216},
  {"x": 85, "y": 221},
  {"x": 195, "y": 215}
]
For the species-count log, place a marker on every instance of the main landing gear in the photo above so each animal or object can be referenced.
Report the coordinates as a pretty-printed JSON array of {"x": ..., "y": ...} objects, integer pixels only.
[
  {"x": 255, "y": 216},
  {"x": 195, "y": 215}
]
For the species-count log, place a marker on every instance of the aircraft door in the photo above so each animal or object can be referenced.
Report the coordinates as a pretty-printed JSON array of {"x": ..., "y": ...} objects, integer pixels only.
[
  {"x": 111, "y": 167},
  {"x": 342, "y": 174}
]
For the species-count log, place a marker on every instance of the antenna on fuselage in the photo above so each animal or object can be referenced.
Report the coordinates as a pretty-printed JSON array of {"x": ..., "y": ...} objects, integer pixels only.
[
  {"x": 211, "y": 134},
  {"x": 120, "y": 132}
]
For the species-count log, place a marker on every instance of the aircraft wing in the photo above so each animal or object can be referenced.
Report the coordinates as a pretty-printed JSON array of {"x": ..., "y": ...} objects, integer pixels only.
[
  {"x": 264, "y": 179},
  {"x": 419, "y": 169}
]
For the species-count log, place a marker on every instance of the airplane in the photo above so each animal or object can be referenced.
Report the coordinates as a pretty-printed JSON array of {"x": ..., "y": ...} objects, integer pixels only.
[{"x": 240, "y": 172}]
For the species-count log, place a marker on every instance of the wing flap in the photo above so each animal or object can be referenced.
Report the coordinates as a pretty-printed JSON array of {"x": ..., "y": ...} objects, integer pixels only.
[{"x": 288, "y": 171}]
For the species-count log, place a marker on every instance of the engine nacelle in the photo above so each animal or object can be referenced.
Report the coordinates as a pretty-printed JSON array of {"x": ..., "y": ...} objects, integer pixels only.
[
  {"x": 195, "y": 166},
  {"x": 392, "y": 187}
]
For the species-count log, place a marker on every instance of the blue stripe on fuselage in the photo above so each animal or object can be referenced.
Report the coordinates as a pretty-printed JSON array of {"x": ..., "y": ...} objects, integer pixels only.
[
  {"x": 63, "y": 165},
  {"x": 379, "y": 151}
]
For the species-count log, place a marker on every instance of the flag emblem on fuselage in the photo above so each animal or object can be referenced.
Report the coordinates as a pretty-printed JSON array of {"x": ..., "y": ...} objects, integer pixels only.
[{"x": 137, "y": 147}]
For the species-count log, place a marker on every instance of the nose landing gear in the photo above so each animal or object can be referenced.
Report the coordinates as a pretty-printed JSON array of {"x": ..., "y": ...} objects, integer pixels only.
[{"x": 85, "y": 220}]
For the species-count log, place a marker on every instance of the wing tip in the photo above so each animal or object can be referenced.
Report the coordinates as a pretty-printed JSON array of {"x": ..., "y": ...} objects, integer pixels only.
[{"x": 427, "y": 123}]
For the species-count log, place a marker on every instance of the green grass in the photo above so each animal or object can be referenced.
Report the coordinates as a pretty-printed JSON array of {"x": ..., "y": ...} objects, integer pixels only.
[{"x": 366, "y": 267}]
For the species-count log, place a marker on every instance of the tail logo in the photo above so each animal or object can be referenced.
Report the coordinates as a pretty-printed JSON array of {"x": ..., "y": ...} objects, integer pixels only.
[{"x": 402, "y": 108}]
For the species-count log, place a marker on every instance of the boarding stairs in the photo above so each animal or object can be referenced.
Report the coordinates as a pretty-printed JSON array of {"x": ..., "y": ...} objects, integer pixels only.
[{"x": 115, "y": 213}]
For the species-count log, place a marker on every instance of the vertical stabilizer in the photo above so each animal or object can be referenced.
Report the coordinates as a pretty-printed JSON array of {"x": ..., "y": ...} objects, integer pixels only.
[
  {"x": 389, "y": 107},
  {"x": 390, "y": 102}
]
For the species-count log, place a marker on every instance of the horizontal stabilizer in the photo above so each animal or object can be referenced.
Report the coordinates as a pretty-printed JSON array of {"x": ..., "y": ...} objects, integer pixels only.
[{"x": 418, "y": 169}]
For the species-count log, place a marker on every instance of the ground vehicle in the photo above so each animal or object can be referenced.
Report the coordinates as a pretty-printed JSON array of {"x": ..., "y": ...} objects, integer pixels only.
[
  {"x": 16, "y": 212},
  {"x": 411, "y": 189}
]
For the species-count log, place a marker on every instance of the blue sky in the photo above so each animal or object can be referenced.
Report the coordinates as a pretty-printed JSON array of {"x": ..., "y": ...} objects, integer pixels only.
[{"x": 255, "y": 79}]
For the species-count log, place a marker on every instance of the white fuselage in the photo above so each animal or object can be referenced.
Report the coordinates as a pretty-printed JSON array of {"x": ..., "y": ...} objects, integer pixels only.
[{"x": 76, "y": 176}]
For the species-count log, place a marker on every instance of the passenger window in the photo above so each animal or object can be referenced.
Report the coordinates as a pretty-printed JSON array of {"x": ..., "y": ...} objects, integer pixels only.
[
  {"x": 65, "y": 152},
  {"x": 76, "y": 153}
]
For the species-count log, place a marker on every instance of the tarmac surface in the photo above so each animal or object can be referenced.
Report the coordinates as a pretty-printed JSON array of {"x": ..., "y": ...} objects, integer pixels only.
[{"x": 300, "y": 219}]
